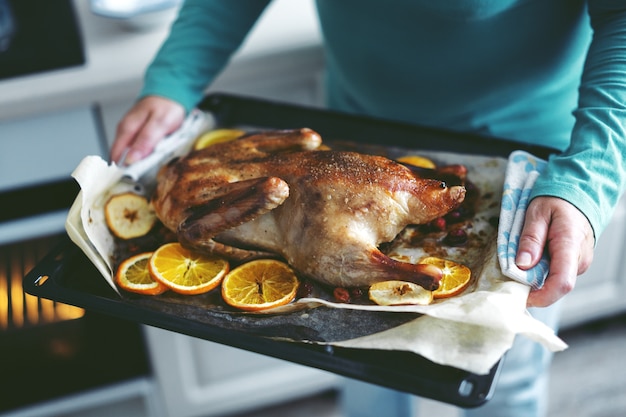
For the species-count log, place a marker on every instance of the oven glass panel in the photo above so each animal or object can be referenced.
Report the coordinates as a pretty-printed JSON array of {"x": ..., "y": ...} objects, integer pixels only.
[{"x": 52, "y": 350}]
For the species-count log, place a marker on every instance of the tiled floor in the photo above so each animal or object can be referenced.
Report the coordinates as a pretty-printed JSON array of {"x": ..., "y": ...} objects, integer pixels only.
[{"x": 587, "y": 380}]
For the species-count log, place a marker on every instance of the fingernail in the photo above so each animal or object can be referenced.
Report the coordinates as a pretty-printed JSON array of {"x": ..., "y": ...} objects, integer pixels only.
[
  {"x": 132, "y": 157},
  {"x": 523, "y": 259}
]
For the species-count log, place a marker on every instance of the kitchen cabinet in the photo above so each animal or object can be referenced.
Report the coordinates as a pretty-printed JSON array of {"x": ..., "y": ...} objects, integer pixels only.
[
  {"x": 136, "y": 397},
  {"x": 200, "y": 378}
]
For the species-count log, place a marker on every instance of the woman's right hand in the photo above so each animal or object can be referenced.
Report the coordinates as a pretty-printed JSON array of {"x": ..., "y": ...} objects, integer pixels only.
[{"x": 144, "y": 125}]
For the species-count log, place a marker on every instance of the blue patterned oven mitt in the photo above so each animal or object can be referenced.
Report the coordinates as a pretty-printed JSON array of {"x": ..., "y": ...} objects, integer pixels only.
[{"x": 521, "y": 173}]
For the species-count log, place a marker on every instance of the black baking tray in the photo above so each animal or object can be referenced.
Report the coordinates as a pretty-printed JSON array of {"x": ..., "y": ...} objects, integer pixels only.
[{"x": 66, "y": 274}]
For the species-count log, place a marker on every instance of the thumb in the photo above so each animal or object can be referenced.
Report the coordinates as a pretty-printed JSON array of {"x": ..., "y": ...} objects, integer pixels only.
[{"x": 533, "y": 237}]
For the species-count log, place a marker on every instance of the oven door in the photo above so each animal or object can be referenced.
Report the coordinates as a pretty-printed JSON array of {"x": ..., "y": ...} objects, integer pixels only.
[{"x": 51, "y": 350}]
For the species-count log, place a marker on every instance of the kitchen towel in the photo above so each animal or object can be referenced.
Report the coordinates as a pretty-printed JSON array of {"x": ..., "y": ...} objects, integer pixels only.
[{"x": 521, "y": 173}]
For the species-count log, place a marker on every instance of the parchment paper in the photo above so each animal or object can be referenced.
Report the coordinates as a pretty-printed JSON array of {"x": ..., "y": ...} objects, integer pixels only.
[{"x": 471, "y": 331}]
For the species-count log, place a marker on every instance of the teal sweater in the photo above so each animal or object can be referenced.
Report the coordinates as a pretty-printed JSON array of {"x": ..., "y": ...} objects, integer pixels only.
[{"x": 549, "y": 72}]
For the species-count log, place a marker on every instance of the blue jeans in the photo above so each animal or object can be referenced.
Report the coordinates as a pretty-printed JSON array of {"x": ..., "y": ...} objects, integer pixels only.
[{"x": 521, "y": 390}]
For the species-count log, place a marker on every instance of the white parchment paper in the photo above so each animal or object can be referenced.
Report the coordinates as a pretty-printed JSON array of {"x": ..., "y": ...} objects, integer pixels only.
[{"x": 471, "y": 331}]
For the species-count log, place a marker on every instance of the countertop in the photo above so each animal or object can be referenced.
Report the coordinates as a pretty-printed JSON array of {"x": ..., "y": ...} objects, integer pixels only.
[{"x": 117, "y": 55}]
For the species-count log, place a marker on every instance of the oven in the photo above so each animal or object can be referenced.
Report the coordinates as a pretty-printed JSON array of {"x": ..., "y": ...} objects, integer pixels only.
[{"x": 52, "y": 353}]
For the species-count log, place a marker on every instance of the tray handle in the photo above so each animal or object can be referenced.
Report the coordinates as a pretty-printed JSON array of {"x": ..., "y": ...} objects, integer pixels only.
[{"x": 39, "y": 279}]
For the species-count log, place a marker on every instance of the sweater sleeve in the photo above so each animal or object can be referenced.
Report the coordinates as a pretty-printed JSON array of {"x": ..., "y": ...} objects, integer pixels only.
[
  {"x": 591, "y": 173},
  {"x": 201, "y": 41}
]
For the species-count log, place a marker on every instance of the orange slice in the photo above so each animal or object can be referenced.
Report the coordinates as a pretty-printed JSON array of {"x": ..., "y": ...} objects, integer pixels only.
[
  {"x": 216, "y": 136},
  {"x": 417, "y": 161},
  {"x": 129, "y": 215},
  {"x": 260, "y": 285},
  {"x": 186, "y": 272},
  {"x": 392, "y": 293},
  {"x": 456, "y": 277},
  {"x": 133, "y": 275}
]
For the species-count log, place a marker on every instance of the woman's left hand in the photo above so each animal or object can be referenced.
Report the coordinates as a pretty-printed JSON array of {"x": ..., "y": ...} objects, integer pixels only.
[{"x": 560, "y": 227}]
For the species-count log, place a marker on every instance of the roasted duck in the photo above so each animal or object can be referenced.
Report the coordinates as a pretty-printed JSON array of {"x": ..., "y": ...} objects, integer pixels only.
[{"x": 276, "y": 194}]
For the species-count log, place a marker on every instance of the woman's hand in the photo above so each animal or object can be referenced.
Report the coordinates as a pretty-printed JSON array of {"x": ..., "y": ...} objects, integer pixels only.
[
  {"x": 144, "y": 125},
  {"x": 560, "y": 227}
]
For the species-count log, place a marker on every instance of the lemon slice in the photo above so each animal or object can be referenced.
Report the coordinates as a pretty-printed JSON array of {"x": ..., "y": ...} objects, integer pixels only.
[
  {"x": 186, "y": 272},
  {"x": 417, "y": 161},
  {"x": 456, "y": 277},
  {"x": 133, "y": 275},
  {"x": 216, "y": 136},
  {"x": 129, "y": 215},
  {"x": 392, "y": 293},
  {"x": 260, "y": 285}
]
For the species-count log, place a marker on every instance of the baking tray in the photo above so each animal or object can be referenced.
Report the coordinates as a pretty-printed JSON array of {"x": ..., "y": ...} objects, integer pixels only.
[{"x": 66, "y": 275}]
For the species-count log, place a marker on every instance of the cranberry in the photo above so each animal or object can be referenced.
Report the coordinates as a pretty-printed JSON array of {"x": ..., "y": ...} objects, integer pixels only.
[
  {"x": 439, "y": 224},
  {"x": 305, "y": 289},
  {"x": 454, "y": 216},
  {"x": 356, "y": 293},
  {"x": 456, "y": 237},
  {"x": 461, "y": 213},
  {"x": 341, "y": 295}
]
